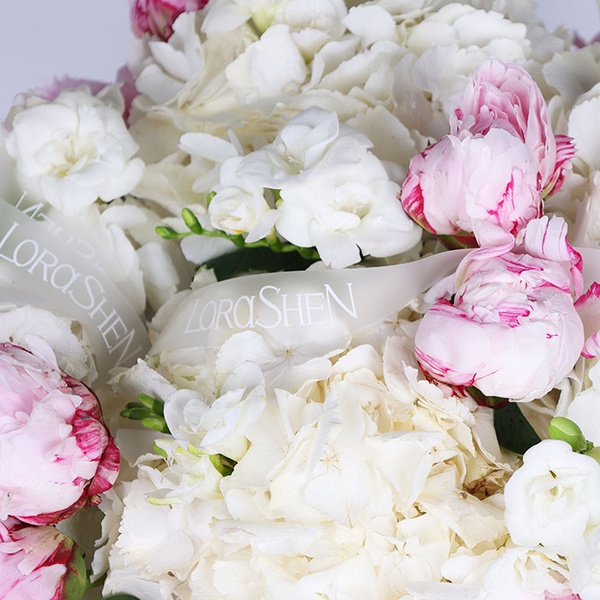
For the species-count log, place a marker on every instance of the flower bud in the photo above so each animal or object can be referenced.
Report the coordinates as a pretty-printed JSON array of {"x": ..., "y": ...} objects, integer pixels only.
[{"x": 561, "y": 428}]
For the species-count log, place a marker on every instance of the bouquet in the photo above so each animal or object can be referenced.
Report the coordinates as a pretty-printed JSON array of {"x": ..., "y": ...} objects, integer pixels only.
[{"x": 362, "y": 237}]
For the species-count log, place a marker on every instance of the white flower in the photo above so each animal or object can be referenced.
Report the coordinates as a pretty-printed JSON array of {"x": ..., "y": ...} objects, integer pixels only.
[
  {"x": 444, "y": 49},
  {"x": 346, "y": 206},
  {"x": 312, "y": 22},
  {"x": 218, "y": 427},
  {"x": 73, "y": 150},
  {"x": 583, "y": 409},
  {"x": 583, "y": 121},
  {"x": 270, "y": 67},
  {"x": 158, "y": 540},
  {"x": 170, "y": 65},
  {"x": 555, "y": 491},
  {"x": 45, "y": 334},
  {"x": 239, "y": 206},
  {"x": 298, "y": 147},
  {"x": 286, "y": 365},
  {"x": 226, "y": 15}
]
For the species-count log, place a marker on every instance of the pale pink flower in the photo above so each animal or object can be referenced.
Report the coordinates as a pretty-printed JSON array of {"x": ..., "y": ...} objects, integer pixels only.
[
  {"x": 156, "y": 17},
  {"x": 503, "y": 95},
  {"x": 474, "y": 189},
  {"x": 57, "y": 455},
  {"x": 40, "y": 563},
  {"x": 506, "y": 323}
]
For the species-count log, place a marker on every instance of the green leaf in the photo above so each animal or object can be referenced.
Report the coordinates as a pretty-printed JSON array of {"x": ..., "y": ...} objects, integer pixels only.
[
  {"x": 257, "y": 260},
  {"x": 513, "y": 430}
]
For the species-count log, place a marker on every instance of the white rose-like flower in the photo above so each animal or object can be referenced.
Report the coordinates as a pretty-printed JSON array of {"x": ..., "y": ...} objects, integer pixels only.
[
  {"x": 552, "y": 499},
  {"x": 74, "y": 150}
]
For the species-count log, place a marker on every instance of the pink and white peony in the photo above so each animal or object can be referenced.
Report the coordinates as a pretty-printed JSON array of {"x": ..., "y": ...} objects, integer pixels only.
[
  {"x": 502, "y": 119},
  {"x": 40, "y": 563},
  {"x": 452, "y": 191},
  {"x": 506, "y": 323},
  {"x": 57, "y": 456},
  {"x": 503, "y": 95}
]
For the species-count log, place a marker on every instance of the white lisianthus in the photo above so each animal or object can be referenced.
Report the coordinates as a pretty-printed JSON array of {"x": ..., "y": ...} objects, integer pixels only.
[
  {"x": 270, "y": 67},
  {"x": 72, "y": 151},
  {"x": 555, "y": 491}
]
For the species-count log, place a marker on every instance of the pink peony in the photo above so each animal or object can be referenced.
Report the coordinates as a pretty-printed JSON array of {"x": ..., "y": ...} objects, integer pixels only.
[
  {"x": 40, "y": 563},
  {"x": 485, "y": 181},
  {"x": 504, "y": 96},
  {"x": 506, "y": 323},
  {"x": 55, "y": 453},
  {"x": 452, "y": 190},
  {"x": 156, "y": 17}
]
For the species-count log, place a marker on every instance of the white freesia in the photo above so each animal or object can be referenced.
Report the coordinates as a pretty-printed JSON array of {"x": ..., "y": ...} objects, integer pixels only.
[
  {"x": 220, "y": 427},
  {"x": 239, "y": 206},
  {"x": 72, "y": 151},
  {"x": 555, "y": 490},
  {"x": 584, "y": 567},
  {"x": 346, "y": 207}
]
